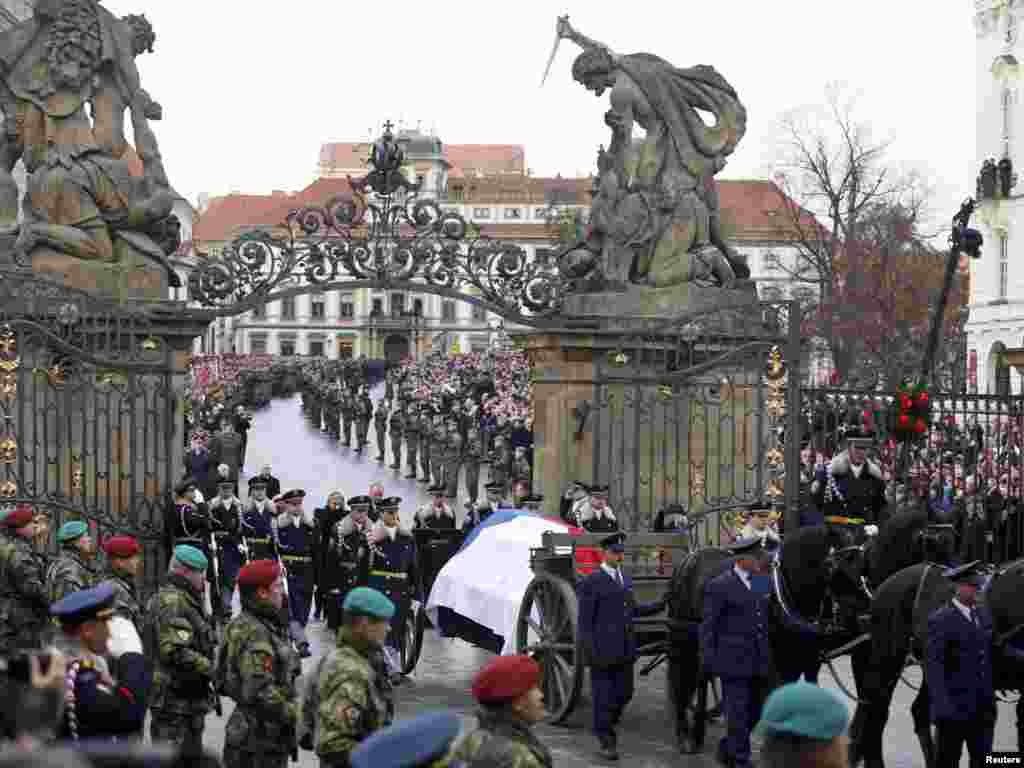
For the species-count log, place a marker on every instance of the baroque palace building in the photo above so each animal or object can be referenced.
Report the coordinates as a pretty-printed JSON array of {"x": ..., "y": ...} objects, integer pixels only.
[{"x": 491, "y": 186}]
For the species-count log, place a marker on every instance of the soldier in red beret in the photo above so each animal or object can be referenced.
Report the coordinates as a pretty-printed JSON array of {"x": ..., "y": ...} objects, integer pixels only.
[
  {"x": 508, "y": 692},
  {"x": 25, "y": 604},
  {"x": 124, "y": 559}
]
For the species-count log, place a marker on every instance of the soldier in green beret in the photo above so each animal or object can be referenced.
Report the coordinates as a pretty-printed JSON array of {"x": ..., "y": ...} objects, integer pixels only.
[
  {"x": 180, "y": 640},
  {"x": 24, "y": 606},
  {"x": 349, "y": 696},
  {"x": 803, "y": 725},
  {"x": 71, "y": 571}
]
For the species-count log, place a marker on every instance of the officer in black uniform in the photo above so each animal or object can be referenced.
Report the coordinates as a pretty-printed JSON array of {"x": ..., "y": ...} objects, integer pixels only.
[
  {"x": 346, "y": 543},
  {"x": 295, "y": 537}
]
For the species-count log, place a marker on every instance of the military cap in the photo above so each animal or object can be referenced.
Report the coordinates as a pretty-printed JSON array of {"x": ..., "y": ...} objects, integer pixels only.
[
  {"x": 389, "y": 504},
  {"x": 259, "y": 573},
  {"x": 361, "y": 503},
  {"x": 71, "y": 530},
  {"x": 184, "y": 486},
  {"x": 967, "y": 574},
  {"x": 368, "y": 602},
  {"x": 191, "y": 557},
  {"x": 614, "y": 543},
  {"x": 804, "y": 710},
  {"x": 497, "y": 488},
  {"x": 121, "y": 546},
  {"x": 533, "y": 498},
  {"x": 505, "y": 678},
  {"x": 599, "y": 490},
  {"x": 226, "y": 484},
  {"x": 753, "y": 546},
  {"x": 295, "y": 494},
  {"x": 85, "y": 605},
  {"x": 256, "y": 482},
  {"x": 412, "y": 743},
  {"x": 18, "y": 517}
]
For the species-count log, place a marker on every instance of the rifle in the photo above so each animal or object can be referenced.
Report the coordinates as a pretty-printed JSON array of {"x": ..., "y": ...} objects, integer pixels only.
[
  {"x": 280, "y": 561},
  {"x": 216, "y": 598}
]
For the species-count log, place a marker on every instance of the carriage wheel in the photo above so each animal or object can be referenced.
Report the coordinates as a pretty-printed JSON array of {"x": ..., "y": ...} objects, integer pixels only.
[
  {"x": 412, "y": 637},
  {"x": 547, "y": 629}
]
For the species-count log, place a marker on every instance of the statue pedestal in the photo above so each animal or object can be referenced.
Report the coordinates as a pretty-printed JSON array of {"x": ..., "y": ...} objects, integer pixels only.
[
  {"x": 135, "y": 277},
  {"x": 621, "y": 310}
]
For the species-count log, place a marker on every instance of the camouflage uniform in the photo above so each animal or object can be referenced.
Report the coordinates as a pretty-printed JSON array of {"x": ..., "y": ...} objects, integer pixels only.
[
  {"x": 68, "y": 573},
  {"x": 126, "y": 600},
  {"x": 180, "y": 641},
  {"x": 426, "y": 433},
  {"x": 258, "y": 668},
  {"x": 438, "y": 443},
  {"x": 347, "y": 698},
  {"x": 474, "y": 455},
  {"x": 396, "y": 425},
  {"x": 380, "y": 424},
  {"x": 502, "y": 741},
  {"x": 452, "y": 463},
  {"x": 412, "y": 441},
  {"x": 24, "y": 602}
]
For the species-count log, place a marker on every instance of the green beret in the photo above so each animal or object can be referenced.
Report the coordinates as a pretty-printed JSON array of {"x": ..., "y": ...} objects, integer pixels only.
[
  {"x": 75, "y": 529},
  {"x": 804, "y": 710},
  {"x": 369, "y": 602},
  {"x": 191, "y": 557}
]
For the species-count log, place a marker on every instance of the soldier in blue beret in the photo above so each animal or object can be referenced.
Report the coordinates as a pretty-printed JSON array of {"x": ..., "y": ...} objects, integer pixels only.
[
  {"x": 72, "y": 570},
  {"x": 104, "y": 703},
  {"x": 415, "y": 743},
  {"x": 803, "y": 725}
]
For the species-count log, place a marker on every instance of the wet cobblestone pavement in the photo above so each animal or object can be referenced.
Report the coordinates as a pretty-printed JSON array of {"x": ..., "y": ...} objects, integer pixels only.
[{"x": 302, "y": 457}]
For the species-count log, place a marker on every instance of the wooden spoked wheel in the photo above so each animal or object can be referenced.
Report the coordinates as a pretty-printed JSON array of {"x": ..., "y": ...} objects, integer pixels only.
[
  {"x": 547, "y": 630},
  {"x": 412, "y": 636}
]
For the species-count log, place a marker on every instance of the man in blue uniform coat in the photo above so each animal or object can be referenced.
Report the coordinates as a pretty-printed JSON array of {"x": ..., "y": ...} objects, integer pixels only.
[
  {"x": 958, "y": 668},
  {"x": 606, "y": 611},
  {"x": 734, "y": 645},
  {"x": 295, "y": 534}
]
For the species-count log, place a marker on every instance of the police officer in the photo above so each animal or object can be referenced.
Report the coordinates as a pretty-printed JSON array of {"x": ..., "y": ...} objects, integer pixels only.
[
  {"x": 437, "y": 515},
  {"x": 473, "y": 456},
  {"x": 71, "y": 571},
  {"x": 258, "y": 669},
  {"x": 958, "y": 668},
  {"x": 380, "y": 424},
  {"x": 734, "y": 645},
  {"x": 396, "y": 427},
  {"x": 607, "y": 607},
  {"x": 226, "y": 520},
  {"x": 24, "y": 599},
  {"x": 511, "y": 702},
  {"x": 100, "y": 703},
  {"x": 348, "y": 696},
  {"x": 295, "y": 536},
  {"x": 389, "y": 567},
  {"x": 180, "y": 641},
  {"x": 411, "y": 425},
  {"x": 346, "y": 547},
  {"x": 124, "y": 558},
  {"x": 419, "y": 742}
]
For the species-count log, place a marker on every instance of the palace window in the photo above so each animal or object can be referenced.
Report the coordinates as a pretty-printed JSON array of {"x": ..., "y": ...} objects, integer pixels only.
[
  {"x": 479, "y": 314},
  {"x": 287, "y": 347},
  {"x": 417, "y": 307},
  {"x": 317, "y": 306},
  {"x": 772, "y": 262},
  {"x": 448, "y": 311},
  {"x": 541, "y": 213},
  {"x": 378, "y": 307},
  {"x": 481, "y": 213},
  {"x": 316, "y": 349},
  {"x": 513, "y": 213},
  {"x": 347, "y": 306},
  {"x": 1004, "y": 264},
  {"x": 288, "y": 308},
  {"x": 258, "y": 344},
  {"x": 397, "y": 304}
]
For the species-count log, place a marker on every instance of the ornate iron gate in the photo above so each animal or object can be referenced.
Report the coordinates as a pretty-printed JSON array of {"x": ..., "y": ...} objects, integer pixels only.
[{"x": 86, "y": 412}]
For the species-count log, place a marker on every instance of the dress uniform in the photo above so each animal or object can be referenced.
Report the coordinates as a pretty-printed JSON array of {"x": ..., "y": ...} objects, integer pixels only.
[
  {"x": 348, "y": 415},
  {"x": 595, "y": 515},
  {"x": 70, "y": 572},
  {"x": 501, "y": 461},
  {"x": 24, "y": 600},
  {"x": 419, "y": 742},
  {"x": 411, "y": 425},
  {"x": 181, "y": 643},
  {"x": 295, "y": 536},
  {"x": 324, "y": 521},
  {"x": 573, "y": 500},
  {"x": 532, "y": 503},
  {"x": 436, "y": 515},
  {"x": 100, "y": 703},
  {"x": 346, "y": 548},
  {"x": 258, "y": 670},
  {"x": 474, "y": 454},
  {"x": 122, "y": 551},
  {"x": 380, "y": 424},
  {"x": 191, "y": 519},
  {"x": 850, "y": 492},
  {"x": 389, "y": 567},
  {"x": 271, "y": 484},
  {"x": 348, "y": 696},
  {"x": 522, "y": 472},
  {"x": 258, "y": 524},
  {"x": 958, "y": 668},
  {"x": 396, "y": 428},
  {"x": 226, "y": 519},
  {"x": 453, "y": 448},
  {"x": 607, "y": 608},
  {"x": 504, "y": 736},
  {"x": 734, "y": 646},
  {"x": 475, "y": 515}
]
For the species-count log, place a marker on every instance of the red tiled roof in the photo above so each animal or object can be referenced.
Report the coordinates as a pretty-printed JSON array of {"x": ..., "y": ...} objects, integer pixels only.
[
  {"x": 344, "y": 154},
  {"x": 757, "y": 209}
]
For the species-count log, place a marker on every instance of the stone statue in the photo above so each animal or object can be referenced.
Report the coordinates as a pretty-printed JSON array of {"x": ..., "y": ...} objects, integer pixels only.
[
  {"x": 80, "y": 199},
  {"x": 654, "y": 221}
]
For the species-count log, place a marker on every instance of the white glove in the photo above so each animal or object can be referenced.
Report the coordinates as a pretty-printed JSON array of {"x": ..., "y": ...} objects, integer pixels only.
[
  {"x": 123, "y": 638},
  {"x": 871, "y": 530}
]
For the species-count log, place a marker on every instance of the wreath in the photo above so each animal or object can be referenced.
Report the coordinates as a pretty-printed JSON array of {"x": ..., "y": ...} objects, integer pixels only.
[{"x": 911, "y": 413}]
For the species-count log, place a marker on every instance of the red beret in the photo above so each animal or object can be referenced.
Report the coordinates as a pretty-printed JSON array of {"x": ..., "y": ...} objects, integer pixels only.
[
  {"x": 121, "y": 546},
  {"x": 20, "y": 516},
  {"x": 259, "y": 573},
  {"x": 505, "y": 678}
]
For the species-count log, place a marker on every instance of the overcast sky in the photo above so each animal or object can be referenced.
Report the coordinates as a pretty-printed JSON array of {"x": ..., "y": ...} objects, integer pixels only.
[{"x": 251, "y": 90}]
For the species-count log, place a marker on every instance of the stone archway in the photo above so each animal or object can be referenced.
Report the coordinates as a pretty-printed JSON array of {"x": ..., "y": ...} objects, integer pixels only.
[{"x": 396, "y": 347}]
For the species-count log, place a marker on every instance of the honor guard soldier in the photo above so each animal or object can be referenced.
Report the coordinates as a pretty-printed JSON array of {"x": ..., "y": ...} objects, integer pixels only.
[
  {"x": 396, "y": 428},
  {"x": 804, "y": 725},
  {"x": 734, "y": 645},
  {"x": 501, "y": 461},
  {"x": 100, "y": 703},
  {"x": 958, "y": 668},
  {"x": 191, "y": 518},
  {"x": 180, "y": 641},
  {"x": 324, "y": 520},
  {"x": 345, "y": 551},
  {"x": 380, "y": 424},
  {"x": 426, "y": 438},
  {"x": 453, "y": 448},
  {"x": 333, "y": 399},
  {"x": 258, "y": 670},
  {"x": 348, "y": 415},
  {"x": 71, "y": 572},
  {"x": 511, "y": 702},
  {"x": 271, "y": 485},
  {"x": 596, "y": 516},
  {"x": 258, "y": 524},
  {"x": 295, "y": 546},
  {"x": 437, "y": 514},
  {"x": 419, "y": 742},
  {"x": 474, "y": 454},
  {"x": 411, "y": 428},
  {"x": 124, "y": 558},
  {"x": 24, "y": 599},
  {"x": 533, "y": 503},
  {"x": 575, "y": 496},
  {"x": 226, "y": 519},
  {"x": 348, "y": 697},
  {"x": 363, "y": 417},
  {"x": 389, "y": 567},
  {"x": 850, "y": 491},
  {"x": 475, "y": 515},
  {"x": 438, "y": 448},
  {"x": 607, "y": 608},
  {"x": 522, "y": 472}
]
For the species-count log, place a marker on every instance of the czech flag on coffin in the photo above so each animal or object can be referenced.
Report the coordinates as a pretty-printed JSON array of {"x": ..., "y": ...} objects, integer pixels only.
[{"x": 477, "y": 594}]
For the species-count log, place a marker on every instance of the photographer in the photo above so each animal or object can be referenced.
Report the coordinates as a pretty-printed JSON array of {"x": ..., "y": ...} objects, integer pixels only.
[{"x": 32, "y": 709}]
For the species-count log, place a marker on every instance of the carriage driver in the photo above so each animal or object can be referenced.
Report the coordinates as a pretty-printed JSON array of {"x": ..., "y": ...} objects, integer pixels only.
[{"x": 850, "y": 491}]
